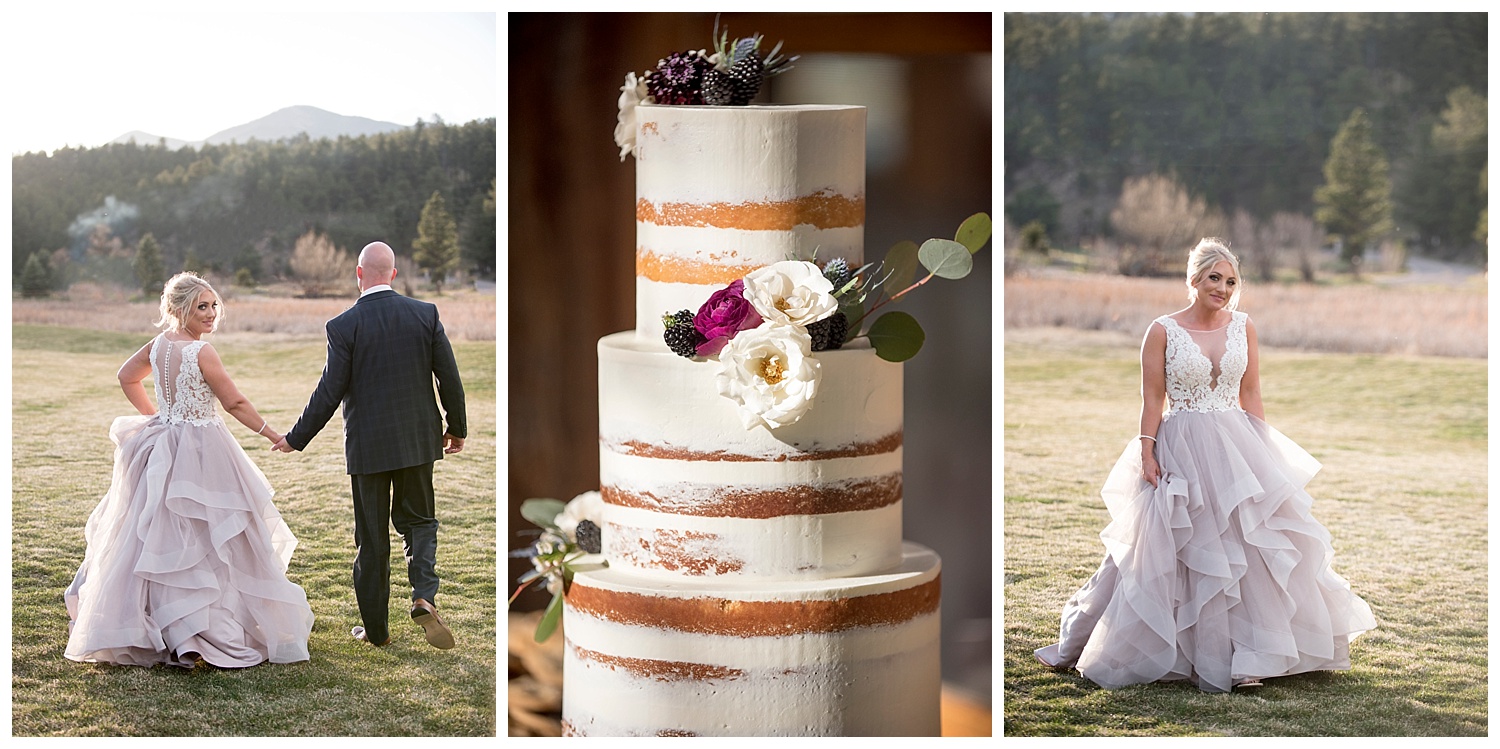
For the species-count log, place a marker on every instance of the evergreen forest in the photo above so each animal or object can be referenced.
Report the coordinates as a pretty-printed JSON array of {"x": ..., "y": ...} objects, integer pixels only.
[
  {"x": 239, "y": 209},
  {"x": 1240, "y": 111}
]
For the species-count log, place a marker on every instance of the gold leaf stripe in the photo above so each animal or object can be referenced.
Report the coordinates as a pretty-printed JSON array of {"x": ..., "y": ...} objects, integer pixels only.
[
  {"x": 823, "y": 210},
  {"x": 719, "y": 616}
]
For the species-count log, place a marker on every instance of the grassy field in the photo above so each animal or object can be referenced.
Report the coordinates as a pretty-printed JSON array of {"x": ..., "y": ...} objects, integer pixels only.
[
  {"x": 1403, "y": 443},
  {"x": 65, "y": 396}
]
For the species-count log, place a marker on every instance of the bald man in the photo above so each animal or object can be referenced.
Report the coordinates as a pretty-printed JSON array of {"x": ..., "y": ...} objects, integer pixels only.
[{"x": 384, "y": 354}]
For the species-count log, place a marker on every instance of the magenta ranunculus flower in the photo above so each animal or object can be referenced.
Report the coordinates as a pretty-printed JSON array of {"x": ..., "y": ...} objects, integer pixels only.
[{"x": 725, "y": 313}]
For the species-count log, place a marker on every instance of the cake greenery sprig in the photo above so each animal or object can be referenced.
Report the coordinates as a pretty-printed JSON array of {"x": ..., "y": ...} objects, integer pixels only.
[
  {"x": 731, "y": 76},
  {"x": 764, "y": 329},
  {"x": 570, "y": 539}
]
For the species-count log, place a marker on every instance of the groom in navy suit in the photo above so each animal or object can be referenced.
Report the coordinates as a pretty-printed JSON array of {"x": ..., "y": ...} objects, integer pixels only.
[{"x": 384, "y": 354}]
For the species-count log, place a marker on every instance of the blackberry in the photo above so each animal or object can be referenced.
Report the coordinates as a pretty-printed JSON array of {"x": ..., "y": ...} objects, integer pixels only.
[
  {"x": 718, "y": 88},
  {"x": 678, "y": 79},
  {"x": 681, "y": 336},
  {"x": 588, "y": 537},
  {"x": 745, "y": 77},
  {"x": 739, "y": 69},
  {"x": 828, "y": 333}
]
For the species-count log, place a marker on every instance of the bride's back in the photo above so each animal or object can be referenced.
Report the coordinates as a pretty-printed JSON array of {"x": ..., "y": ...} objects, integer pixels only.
[{"x": 182, "y": 395}]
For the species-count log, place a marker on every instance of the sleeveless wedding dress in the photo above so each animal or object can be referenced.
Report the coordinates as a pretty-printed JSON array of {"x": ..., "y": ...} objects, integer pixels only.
[
  {"x": 186, "y": 553},
  {"x": 1219, "y": 573}
]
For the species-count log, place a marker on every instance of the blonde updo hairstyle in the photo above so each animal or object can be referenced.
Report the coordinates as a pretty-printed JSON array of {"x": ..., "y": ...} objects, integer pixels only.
[
  {"x": 1210, "y": 252},
  {"x": 180, "y": 293}
]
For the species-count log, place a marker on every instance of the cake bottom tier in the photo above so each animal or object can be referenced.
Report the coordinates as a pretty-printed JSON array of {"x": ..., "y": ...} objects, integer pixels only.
[{"x": 854, "y": 656}]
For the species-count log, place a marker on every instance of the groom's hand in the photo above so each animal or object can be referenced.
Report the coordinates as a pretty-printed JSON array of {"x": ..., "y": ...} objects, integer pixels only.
[
  {"x": 452, "y": 444},
  {"x": 281, "y": 446}
]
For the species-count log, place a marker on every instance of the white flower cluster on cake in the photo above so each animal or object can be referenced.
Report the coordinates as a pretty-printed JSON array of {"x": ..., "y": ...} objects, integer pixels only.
[
  {"x": 761, "y": 331},
  {"x": 764, "y": 329},
  {"x": 571, "y": 539}
]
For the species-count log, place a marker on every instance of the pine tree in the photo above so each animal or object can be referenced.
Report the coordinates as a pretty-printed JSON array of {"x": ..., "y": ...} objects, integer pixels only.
[
  {"x": 148, "y": 266},
  {"x": 36, "y": 277},
  {"x": 437, "y": 241},
  {"x": 1354, "y": 203},
  {"x": 478, "y": 243}
]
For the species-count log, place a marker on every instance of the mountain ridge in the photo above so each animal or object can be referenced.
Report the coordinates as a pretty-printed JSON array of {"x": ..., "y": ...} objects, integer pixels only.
[{"x": 287, "y": 122}]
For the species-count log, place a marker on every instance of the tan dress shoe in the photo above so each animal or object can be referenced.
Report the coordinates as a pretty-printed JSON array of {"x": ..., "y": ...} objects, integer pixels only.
[{"x": 426, "y": 616}]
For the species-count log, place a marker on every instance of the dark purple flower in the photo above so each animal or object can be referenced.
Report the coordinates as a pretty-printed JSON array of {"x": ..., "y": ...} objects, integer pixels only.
[{"x": 725, "y": 313}]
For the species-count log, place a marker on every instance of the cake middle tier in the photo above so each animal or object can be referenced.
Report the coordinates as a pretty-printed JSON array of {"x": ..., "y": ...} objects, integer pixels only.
[{"x": 689, "y": 492}]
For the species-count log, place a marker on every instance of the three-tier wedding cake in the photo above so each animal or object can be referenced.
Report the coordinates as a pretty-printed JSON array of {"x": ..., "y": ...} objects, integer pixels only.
[{"x": 757, "y": 580}]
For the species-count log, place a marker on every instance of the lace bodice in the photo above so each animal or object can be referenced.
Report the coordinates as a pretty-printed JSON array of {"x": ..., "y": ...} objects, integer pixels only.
[
  {"x": 1204, "y": 367},
  {"x": 182, "y": 395}
]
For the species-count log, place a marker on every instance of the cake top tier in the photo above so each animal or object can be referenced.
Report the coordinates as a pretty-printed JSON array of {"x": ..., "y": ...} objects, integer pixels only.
[
  {"x": 722, "y": 191},
  {"x": 751, "y": 154}
]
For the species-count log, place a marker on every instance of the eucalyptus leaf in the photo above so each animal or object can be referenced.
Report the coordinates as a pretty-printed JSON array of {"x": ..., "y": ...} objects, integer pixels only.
[
  {"x": 896, "y": 336},
  {"x": 550, "y": 618},
  {"x": 974, "y": 232},
  {"x": 901, "y": 267},
  {"x": 543, "y": 511},
  {"x": 946, "y": 258}
]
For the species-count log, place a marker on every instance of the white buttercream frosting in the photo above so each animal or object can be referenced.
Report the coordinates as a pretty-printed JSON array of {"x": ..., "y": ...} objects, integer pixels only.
[
  {"x": 749, "y": 154},
  {"x": 868, "y": 681}
]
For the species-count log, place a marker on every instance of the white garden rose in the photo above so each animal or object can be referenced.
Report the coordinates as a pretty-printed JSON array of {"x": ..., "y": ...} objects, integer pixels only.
[
  {"x": 586, "y": 506},
  {"x": 632, "y": 94},
  {"x": 792, "y": 292},
  {"x": 548, "y": 543},
  {"x": 771, "y": 373}
]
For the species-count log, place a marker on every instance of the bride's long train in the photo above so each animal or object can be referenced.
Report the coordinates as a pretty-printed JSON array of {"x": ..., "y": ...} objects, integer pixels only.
[{"x": 186, "y": 555}]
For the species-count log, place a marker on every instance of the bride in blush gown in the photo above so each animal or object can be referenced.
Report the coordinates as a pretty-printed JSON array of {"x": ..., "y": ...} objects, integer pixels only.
[
  {"x": 1214, "y": 569},
  {"x": 187, "y": 556}
]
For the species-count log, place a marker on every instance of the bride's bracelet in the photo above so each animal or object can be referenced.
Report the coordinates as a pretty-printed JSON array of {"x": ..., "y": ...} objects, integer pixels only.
[
  {"x": 1146, "y": 437},
  {"x": 261, "y": 431}
]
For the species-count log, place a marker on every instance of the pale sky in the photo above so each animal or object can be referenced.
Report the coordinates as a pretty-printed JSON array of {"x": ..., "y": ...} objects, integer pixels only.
[{"x": 83, "y": 78}]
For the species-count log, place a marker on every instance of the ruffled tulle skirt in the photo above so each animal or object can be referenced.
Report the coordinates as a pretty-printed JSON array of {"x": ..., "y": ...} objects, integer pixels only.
[
  {"x": 1217, "y": 574},
  {"x": 186, "y": 554}
]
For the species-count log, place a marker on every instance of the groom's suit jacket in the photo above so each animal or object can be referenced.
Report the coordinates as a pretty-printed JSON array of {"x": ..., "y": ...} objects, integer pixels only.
[{"x": 384, "y": 354}]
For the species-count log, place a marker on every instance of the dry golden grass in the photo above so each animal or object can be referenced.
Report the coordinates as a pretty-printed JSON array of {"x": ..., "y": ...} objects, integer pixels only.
[
  {"x": 1353, "y": 318},
  {"x": 467, "y": 315}
]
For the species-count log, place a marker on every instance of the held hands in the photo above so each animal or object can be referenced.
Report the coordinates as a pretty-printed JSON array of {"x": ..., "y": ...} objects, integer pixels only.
[
  {"x": 280, "y": 445},
  {"x": 452, "y": 444}
]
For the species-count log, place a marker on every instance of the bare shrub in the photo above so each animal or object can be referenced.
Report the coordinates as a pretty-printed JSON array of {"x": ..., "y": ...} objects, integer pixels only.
[
  {"x": 319, "y": 267},
  {"x": 1390, "y": 256},
  {"x": 1010, "y": 242},
  {"x": 406, "y": 274},
  {"x": 1254, "y": 242},
  {"x": 1158, "y": 222},
  {"x": 1300, "y": 237}
]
